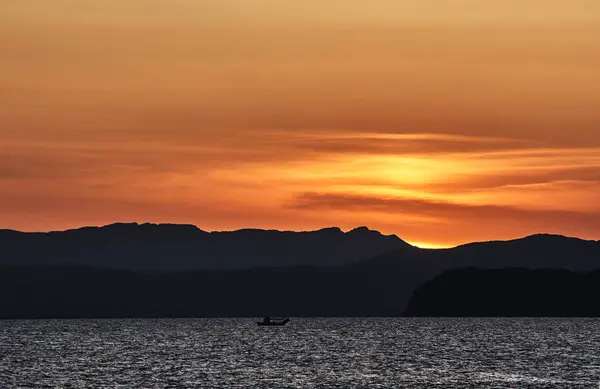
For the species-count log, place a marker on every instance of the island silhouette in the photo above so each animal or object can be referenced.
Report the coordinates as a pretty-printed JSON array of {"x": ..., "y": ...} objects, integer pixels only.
[
  {"x": 148, "y": 270},
  {"x": 516, "y": 292}
]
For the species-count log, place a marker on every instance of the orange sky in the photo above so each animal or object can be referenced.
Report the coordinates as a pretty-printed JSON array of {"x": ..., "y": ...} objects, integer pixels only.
[{"x": 441, "y": 121}]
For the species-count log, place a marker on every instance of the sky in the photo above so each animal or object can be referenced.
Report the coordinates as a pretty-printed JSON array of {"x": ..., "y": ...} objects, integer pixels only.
[{"x": 440, "y": 121}]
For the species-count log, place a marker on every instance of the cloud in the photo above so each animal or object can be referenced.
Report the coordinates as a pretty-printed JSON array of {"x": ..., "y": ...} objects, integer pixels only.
[
  {"x": 472, "y": 182},
  {"x": 66, "y": 158},
  {"x": 455, "y": 213},
  {"x": 340, "y": 142}
]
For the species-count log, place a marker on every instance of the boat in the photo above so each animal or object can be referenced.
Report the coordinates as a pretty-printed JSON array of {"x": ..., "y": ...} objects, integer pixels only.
[{"x": 273, "y": 321}]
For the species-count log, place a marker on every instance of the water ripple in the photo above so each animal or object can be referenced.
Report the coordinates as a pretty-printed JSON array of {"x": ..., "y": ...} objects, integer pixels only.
[{"x": 308, "y": 353}]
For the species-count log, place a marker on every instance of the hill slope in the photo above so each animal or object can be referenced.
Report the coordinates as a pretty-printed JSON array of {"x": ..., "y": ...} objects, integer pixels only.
[
  {"x": 536, "y": 251},
  {"x": 82, "y": 292}
]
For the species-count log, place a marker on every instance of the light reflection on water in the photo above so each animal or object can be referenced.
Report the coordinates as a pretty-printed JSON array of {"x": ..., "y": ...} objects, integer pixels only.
[{"x": 308, "y": 353}]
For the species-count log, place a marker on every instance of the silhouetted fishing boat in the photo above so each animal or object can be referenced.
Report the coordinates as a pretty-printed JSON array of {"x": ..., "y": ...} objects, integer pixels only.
[{"x": 273, "y": 321}]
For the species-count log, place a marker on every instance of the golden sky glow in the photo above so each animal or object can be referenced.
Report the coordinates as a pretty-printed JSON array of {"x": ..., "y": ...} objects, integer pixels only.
[{"x": 442, "y": 121}]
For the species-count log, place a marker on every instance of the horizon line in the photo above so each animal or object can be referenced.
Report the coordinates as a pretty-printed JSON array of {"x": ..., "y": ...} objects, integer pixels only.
[{"x": 418, "y": 244}]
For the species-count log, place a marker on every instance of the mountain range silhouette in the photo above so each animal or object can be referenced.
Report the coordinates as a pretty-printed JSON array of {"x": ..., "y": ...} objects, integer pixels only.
[
  {"x": 148, "y": 270},
  {"x": 171, "y": 247}
]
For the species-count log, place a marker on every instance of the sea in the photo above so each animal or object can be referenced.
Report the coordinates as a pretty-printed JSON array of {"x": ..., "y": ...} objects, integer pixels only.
[{"x": 307, "y": 353}]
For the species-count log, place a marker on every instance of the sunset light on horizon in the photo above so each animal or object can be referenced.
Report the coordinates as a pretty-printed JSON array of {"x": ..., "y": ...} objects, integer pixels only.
[{"x": 442, "y": 122}]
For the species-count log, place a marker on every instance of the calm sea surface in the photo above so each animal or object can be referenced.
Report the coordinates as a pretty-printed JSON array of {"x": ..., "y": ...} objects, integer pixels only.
[{"x": 308, "y": 353}]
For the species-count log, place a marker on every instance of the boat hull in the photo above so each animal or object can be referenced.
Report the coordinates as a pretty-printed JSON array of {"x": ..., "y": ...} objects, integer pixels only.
[{"x": 273, "y": 323}]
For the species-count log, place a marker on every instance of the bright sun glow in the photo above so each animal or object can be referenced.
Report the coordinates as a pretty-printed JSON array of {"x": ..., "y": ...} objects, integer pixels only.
[{"x": 430, "y": 245}]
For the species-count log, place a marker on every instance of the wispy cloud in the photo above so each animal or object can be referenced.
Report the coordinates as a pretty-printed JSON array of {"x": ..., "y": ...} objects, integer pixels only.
[{"x": 455, "y": 213}]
